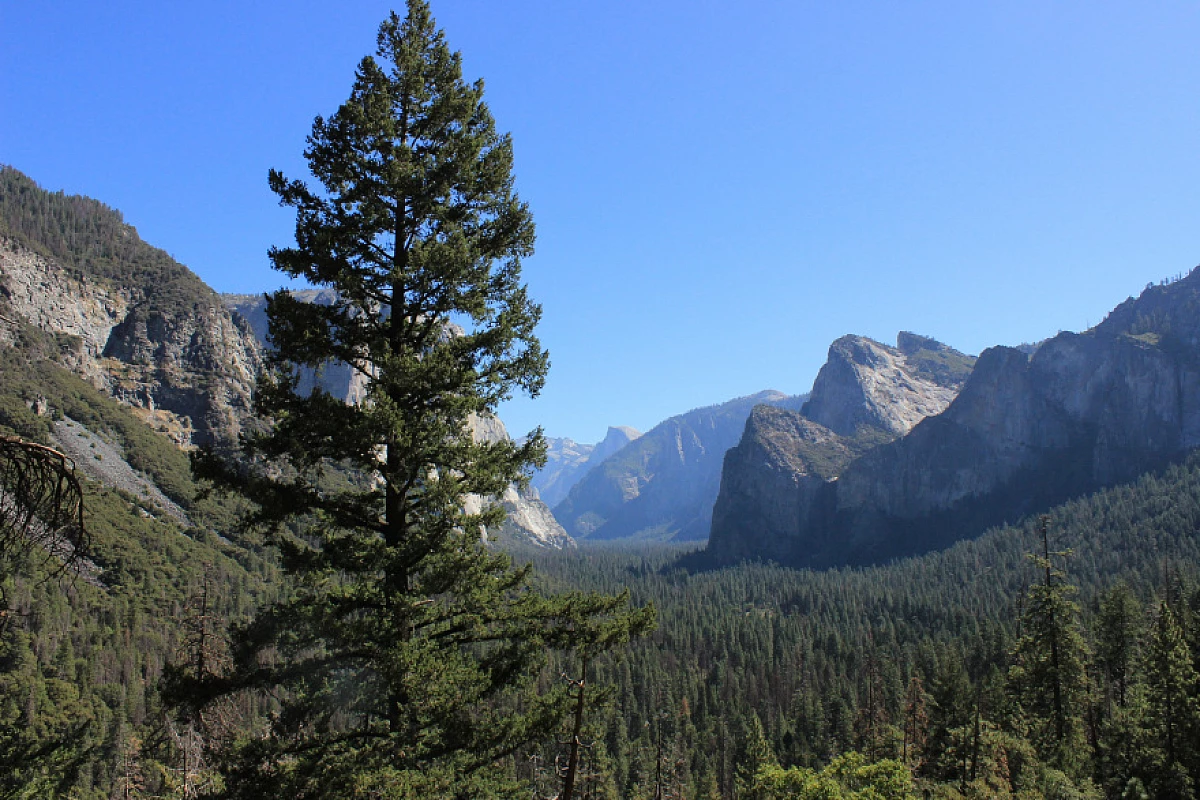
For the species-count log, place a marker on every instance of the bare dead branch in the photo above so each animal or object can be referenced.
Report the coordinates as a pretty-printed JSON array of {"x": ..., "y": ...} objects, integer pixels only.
[{"x": 41, "y": 503}]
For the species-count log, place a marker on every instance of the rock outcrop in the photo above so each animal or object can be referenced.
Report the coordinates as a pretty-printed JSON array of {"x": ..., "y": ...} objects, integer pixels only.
[
  {"x": 185, "y": 365},
  {"x": 866, "y": 384},
  {"x": 776, "y": 483},
  {"x": 662, "y": 486}
]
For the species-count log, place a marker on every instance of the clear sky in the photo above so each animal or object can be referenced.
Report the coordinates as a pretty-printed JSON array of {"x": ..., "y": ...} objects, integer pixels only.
[{"x": 721, "y": 189}]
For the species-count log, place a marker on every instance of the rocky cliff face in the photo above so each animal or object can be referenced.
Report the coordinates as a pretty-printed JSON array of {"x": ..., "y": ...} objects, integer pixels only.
[
  {"x": 529, "y": 519},
  {"x": 187, "y": 368},
  {"x": 776, "y": 483},
  {"x": 866, "y": 384},
  {"x": 1082, "y": 412},
  {"x": 1030, "y": 428},
  {"x": 336, "y": 378},
  {"x": 662, "y": 486},
  {"x": 148, "y": 332},
  {"x": 568, "y": 461}
]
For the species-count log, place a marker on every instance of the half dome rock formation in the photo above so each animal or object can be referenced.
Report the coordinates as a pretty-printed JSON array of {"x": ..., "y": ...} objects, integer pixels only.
[{"x": 567, "y": 462}]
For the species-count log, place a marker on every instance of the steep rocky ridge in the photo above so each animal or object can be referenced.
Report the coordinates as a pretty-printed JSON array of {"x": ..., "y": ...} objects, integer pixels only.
[
  {"x": 129, "y": 319},
  {"x": 1028, "y": 430},
  {"x": 773, "y": 483},
  {"x": 662, "y": 485},
  {"x": 867, "y": 384},
  {"x": 567, "y": 462}
]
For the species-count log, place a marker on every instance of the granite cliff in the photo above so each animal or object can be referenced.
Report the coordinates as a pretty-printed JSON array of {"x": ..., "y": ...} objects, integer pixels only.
[
  {"x": 774, "y": 482},
  {"x": 149, "y": 333},
  {"x": 1027, "y": 430},
  {"x": 662, "y": 486}
]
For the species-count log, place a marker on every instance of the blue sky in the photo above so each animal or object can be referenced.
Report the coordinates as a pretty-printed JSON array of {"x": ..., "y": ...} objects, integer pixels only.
[{"x": 720, "y": 189}]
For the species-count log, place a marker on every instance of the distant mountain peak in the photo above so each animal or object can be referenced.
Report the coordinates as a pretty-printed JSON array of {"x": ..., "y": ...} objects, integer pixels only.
[
  {"x": 661, "y": 485},
  {"x": 567, "y": 461}
]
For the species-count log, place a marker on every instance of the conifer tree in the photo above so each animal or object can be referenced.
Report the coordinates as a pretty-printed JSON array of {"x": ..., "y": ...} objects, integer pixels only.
[
  {"x": 1049, "y": 675},
  {"x": 1117, "y": 629},
  {"x": 402, "y": 657},
  {"x": 1171, "y": 709}
]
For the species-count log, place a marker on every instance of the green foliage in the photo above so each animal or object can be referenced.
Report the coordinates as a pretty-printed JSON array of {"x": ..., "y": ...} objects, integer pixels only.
[
  {"x": 848, "y": 777},
  {"x": 792, "y": 647},
  {"x": 1167, "y": 708},
  {"x": 81, "y": 655},
  {"x": 1048, "y": 675}
]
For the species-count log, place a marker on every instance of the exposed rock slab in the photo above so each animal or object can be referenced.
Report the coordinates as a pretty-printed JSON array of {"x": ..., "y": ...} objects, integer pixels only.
[{"x": 865, "y": 383}]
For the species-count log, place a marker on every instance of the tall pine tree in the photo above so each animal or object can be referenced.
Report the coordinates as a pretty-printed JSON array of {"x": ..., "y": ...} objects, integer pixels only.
[
  {"x": 1049, "y": 675},
  {"x": 403, "y": 656},
  {"x": 1170, "y": 711}
]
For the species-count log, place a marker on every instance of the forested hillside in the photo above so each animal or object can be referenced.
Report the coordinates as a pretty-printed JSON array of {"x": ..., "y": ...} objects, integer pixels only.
[
  {"x": 128, "y": 318},
  {"x": 82, "y": 653},
  {"x": 94, "y": 241},
  {"x": 920, "y": 660}
]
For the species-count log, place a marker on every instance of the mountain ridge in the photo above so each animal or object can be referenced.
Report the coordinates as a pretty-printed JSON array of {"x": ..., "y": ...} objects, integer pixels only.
[
  {"x": 568, "y": 461},
  {"x": 79, "y": 287},
  {"x": 1029, "y": 429}
]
